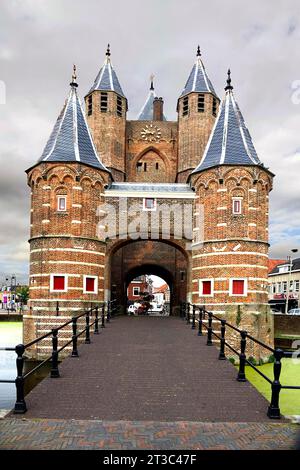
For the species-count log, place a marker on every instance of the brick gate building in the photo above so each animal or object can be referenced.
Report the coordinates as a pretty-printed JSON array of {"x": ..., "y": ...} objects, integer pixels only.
[{"x": 112, "y": 199}]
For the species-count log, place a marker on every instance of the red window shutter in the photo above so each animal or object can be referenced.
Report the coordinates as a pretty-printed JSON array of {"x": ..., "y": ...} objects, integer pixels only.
[
  {"x": 238, "y": 287},
  {"x": 206, "y": 287},
  {"x": 90, "y": 284},
  {"x": 58, "y": 282}
]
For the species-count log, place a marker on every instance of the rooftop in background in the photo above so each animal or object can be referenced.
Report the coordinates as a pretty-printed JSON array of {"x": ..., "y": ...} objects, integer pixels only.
[
  {"x": 146, "y": 113},
  {"x": 172, "y": 189},
  {"x": 272, "y": 263},
  {"x": 295, "y": 266}
]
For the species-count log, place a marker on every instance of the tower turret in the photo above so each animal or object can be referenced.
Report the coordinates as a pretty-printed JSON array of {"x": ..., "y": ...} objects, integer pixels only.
[
  {"x": 197, "y": 110},
  {"x": 230, "y": 259},
  {"x": 66, "y": 252},
  {"x": 106, "y": 107}
]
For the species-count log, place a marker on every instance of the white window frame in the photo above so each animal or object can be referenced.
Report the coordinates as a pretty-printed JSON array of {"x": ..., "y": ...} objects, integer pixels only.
[
  {"x": 297, "y": 285},
  {"x": 240, "y": 200},
  {"x": 144, "y": 204},
  {"x": 212, "y": 281},
  {"x": 133, "y": 294},
  {"x": 245, "y": 286},
  {"x": 61, "y": 196},
  {"x": 52, "y": 282},
  {"x": 95, "y": 291}
]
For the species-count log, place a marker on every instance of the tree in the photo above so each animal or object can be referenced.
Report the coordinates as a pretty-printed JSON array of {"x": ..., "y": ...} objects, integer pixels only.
[{"x": 23, "y": 294}]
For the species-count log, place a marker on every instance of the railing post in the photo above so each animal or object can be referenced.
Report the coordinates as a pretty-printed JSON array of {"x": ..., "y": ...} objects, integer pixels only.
[
  {"x": 182, "y": 310},
  {"x": 20, "y": 405},
  {"x": 103, "y": 316},
  {"x": 200, "y": 322},
  {"x": 241, "y": 377},
  {"x": 108, "y": 312},
  {"x": 87, "y": 328},
  {"x": 194, "y": 318},
  {"x": 74, "y": 338},
  {"x": 54, "y": 369},
  {"x": 274, "y": 410},
  {"x": 96, "y": 330},
  {"x": 57, "y": 309},
  {"x": 222, "y": 342},
  {"x": 209, "y": 330},
  {"x": 187, "y": 307}
]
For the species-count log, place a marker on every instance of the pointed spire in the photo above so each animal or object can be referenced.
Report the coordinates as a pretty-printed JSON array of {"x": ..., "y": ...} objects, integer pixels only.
[
  {"x": 198, "y": 80},
  {"x": 107, "y": 79},
  {"x": 146, "y": 113},
  {"x": 230, "y": 142},
  {"x": 71, "y": 140},
  {"x": 74, "y": 77},
  {"x": 228, "y": 87},
  {"x": 151, "y": 82}
]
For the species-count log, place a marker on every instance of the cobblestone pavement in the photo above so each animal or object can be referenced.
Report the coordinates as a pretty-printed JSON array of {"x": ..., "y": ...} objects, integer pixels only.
[
  {"x": 47, "y": 434},
  {"x": 147, "y": 369}
]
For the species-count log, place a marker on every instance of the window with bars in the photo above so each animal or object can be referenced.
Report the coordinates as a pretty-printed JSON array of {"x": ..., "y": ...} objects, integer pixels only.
[
  {"x": 119, "y": 106},
  {"x": 214, "y": 106},
  {"x": 103, "y": 102},
  {"x": 185, "y": 106},
  {"x": 90, "y": 105},
  {"x": 201, "y": 103}
]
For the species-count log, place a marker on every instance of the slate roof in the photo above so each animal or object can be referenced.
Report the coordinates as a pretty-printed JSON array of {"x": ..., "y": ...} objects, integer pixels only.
[
  {"x": 230, "y": 142},
  {"x": 295, "y": 266},
  {"x": 151, "y": 187},
  {"x": 146, "y": 113},
  {"x": 107, "y": 79},
  {"x": 71, "y": 140},
  {"x": 198, "y": 80}
]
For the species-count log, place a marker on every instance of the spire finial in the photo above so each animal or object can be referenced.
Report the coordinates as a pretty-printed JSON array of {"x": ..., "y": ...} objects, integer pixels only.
[
  {"x": 151, "y": 82},
  {"x": 198, "y": 51},
  {"x": 74, "y": 77},
  {"x": 108, "y": 51},
  {"x": 229, "y": 87}
]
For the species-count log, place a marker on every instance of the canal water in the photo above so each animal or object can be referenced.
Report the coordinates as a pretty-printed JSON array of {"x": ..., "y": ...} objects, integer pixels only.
[{"x": 10, "y": 335}]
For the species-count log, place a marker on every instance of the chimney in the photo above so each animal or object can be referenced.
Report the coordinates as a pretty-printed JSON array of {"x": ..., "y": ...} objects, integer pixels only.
[{"x": 158, "y": 109}]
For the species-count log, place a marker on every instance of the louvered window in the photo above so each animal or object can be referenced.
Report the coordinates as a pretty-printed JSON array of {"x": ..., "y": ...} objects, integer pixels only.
[
  {"x": 90, "y": 105},
  {"x": 119, "y": 106},
  {"x": 201, "y": 103},
  {"x": 185, "y": 106},
  {"x": 214, "y": 106},
  {"x": 103, "y": 102}
]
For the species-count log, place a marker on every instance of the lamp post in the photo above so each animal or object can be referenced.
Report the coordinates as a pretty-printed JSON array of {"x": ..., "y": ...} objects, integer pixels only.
[{"x": 294, "y": 250}]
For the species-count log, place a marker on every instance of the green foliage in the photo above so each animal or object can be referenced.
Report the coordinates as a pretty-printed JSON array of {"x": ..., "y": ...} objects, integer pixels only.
[
  {"x": 23, "y": 294},
  {"x": 238, "y": 316},
  {"x": 271, "y": 358},
  {"x": 252, "y": 360},
  {"x": 231, "y": 359}
]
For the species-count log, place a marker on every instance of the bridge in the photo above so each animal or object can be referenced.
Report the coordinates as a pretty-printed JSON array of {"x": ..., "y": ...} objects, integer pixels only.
[{"x": 152, "y": 370}]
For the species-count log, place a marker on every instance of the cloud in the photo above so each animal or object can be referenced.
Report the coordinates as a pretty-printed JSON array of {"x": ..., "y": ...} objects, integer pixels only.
[{"x": 40, "y": 41}]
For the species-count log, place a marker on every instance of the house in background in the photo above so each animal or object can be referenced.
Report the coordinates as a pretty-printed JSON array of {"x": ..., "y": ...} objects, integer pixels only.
[
  {"x": 284, "y": 277},
  {"x": 162, "y": 294},
  {"x": 137, "y": 287}
]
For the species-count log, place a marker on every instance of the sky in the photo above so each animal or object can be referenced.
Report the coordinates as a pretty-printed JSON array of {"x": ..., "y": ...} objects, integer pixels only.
[{"x": 41, "y": 39}]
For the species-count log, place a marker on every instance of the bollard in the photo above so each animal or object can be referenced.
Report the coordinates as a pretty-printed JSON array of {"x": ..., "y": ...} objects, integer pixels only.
[
  {"x": 209, "y": 330},
  {"x": 187, "y": 307},
  {"x": 103, "y": 316},
  {"x": 108, "y": 312},
  {"x": 273, "y": 409},
  {"x": 194, "y": 318},
  {"x": 222, "y": 341},
  {"x": 20, "y": 405},
  {"x": 54, "y": 369},
  {"x": 87, "y": 328},
  {"x": 74, "y": 338},
  {"x": 96, "y": 330},
  {"x": 241, "y": 377},
  {"x": 200, "y": 322}
]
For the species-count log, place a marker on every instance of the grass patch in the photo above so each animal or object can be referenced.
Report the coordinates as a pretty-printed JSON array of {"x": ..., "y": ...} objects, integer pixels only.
[{"x": 290, "y": 375}]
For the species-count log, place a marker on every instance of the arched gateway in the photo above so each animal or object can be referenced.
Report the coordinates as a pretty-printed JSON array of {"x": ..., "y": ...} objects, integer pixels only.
[{"x": 187, "y": 200}]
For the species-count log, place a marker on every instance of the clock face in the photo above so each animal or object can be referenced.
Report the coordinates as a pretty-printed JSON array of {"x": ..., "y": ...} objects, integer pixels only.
[{"x": 151, "y": 133}]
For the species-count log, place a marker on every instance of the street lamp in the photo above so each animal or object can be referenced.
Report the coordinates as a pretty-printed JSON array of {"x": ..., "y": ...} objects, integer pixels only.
[{"x": 294, "y": 250}]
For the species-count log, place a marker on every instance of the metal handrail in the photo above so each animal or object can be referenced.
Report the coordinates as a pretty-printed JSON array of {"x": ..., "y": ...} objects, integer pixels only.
[
  {"x": 20, "y": 404},
  {"x": 273, "y": 409}
]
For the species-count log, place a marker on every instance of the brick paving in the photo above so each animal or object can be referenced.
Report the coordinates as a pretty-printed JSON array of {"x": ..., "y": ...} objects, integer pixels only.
[
  {"x": 147, "y": 369},
  {"x": 45, "y": 434}
]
